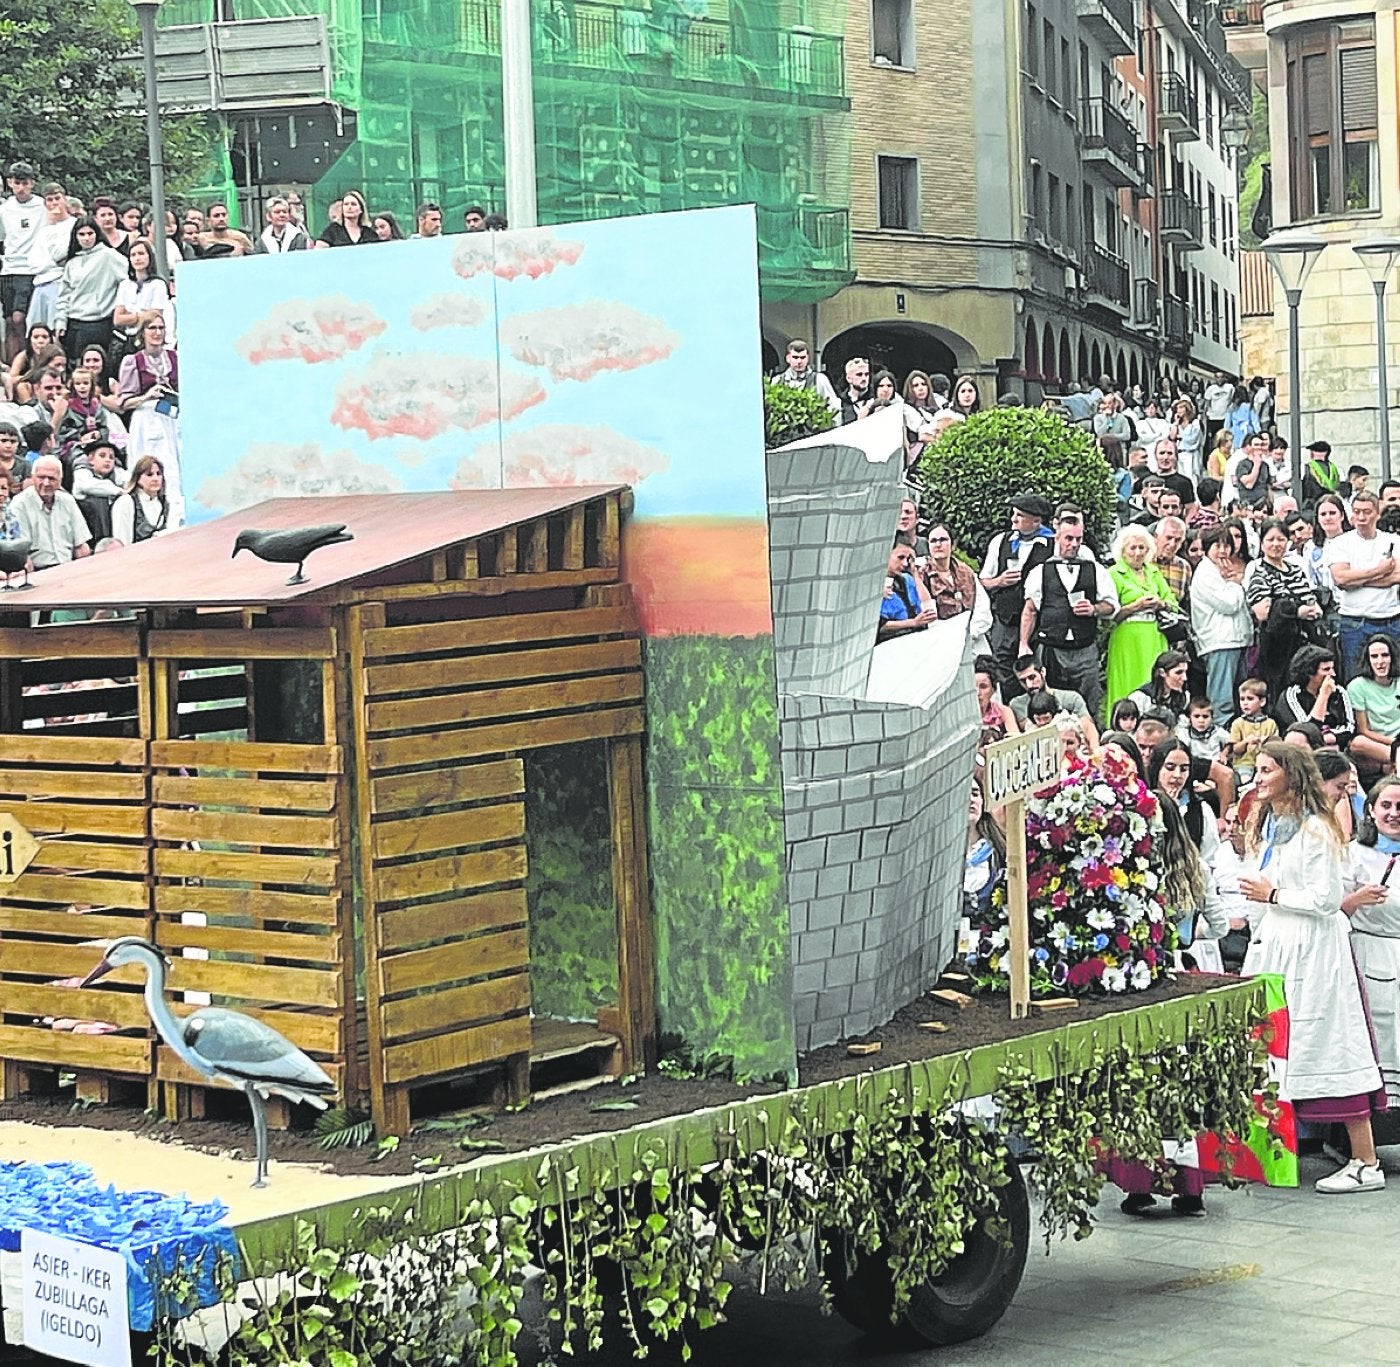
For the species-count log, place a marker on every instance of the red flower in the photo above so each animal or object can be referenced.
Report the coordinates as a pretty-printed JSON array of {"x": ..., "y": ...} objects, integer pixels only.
[{"x": 1122, "y": 943}]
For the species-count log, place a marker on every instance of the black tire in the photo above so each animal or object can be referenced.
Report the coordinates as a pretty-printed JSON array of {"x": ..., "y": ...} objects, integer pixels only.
[{"x": 962, "y": 1303}]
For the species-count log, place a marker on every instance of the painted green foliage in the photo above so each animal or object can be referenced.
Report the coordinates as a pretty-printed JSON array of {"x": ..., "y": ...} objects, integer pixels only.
[
  {"x": 573, "y": 918},
  {"x": 724, "y": 972}
]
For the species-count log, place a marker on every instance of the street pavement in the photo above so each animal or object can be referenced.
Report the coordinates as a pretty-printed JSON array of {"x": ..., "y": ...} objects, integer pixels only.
[{"x": 1277, "y": 1276}]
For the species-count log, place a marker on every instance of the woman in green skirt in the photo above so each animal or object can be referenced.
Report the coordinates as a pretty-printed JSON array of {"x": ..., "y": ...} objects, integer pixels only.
[{"x": 1136, "y": 640}]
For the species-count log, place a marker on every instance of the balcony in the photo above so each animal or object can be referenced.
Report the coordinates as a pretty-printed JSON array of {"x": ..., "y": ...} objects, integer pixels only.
[
  {"x": 1177, "y": 111},
  {"x": 632, "y": 44},
  {"x": 1109, "y": 142},
  {"x": 1145, "y": 297},
  {"x": 804, "y": 251},
  {"x": 1179, "y": 221},
  {"x": 1176, "y": 324},
  {"x": 1111, "y": 23},
  {"x": 1106, "y": 276},
  {"x": 1146, "y": 187},
  {"x": 1242, "y": 13}
]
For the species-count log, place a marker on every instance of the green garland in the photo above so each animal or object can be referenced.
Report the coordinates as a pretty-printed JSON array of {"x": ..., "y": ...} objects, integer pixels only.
[{"x": 650, "y": 1242}]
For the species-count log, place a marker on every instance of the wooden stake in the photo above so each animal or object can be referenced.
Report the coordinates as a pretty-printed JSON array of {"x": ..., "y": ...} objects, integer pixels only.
[{"x": 1017, "y": 911}]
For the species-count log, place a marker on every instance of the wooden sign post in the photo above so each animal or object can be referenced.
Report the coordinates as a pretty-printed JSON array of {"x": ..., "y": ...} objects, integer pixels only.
[
  {"x": 1016, "y": 768},
  {"x": 17, "y": 848}
]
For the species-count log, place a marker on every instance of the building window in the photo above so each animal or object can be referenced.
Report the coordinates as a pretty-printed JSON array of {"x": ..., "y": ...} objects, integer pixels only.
[
  {"x": 1057, "y": 233},
  {"x": 1210, "y": 117},
  {"x": 1210, "y": 215},
  {"x": 1067, "y": 74},
  {"x": 1214, "y": 312},
  {"x": 1332, "y": 118},
  {"x": 1038, "y": 197},
  {"x": 892, "y": 32},
  {"x": 1047, "y": 52},
  {"x": 899, "y": 192},
  {"x": 1070, "y": 219},
  {"x": 1032, "y": 43}
]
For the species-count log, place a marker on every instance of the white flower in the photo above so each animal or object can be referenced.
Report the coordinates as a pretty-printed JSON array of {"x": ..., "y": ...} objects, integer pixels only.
[
  {"x": 1100, "y": 919},
  {"x": 1105, "y": 794},
  {"x": 1000, "y": 937},
  {"x": 1115, "y": 980},
  {"x": 1142, "y": 975}
]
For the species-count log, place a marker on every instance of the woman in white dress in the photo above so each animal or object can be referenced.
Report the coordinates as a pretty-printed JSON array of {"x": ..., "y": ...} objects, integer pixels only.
[
  {"x": 1296, "y": 858},
  {"x": 149, "y": 385},
  {"x": 1373, "y": 902}
]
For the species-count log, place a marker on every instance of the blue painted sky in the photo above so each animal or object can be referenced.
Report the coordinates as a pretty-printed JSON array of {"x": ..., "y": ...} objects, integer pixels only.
[{"x": 693, "y": 275}]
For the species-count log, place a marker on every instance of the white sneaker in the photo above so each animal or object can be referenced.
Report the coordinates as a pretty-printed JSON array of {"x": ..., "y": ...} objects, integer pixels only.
[{"x": 1355, "y": 1176}]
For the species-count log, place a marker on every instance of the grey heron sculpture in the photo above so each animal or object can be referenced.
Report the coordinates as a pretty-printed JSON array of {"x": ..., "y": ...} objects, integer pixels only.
[{"x": 224, "y": 1045}]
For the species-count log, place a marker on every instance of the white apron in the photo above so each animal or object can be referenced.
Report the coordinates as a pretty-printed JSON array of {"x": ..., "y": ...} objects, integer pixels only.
[
  {"x": 1305, "y": 937},
  {"x": 1375, "y": 936}
]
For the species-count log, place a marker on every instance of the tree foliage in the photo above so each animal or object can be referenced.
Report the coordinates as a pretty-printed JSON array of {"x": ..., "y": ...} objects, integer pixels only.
[
  {"x": 975, "y": 469},
  {"x": 73, "y": 109},
  {"x": 790, "y": 414}
]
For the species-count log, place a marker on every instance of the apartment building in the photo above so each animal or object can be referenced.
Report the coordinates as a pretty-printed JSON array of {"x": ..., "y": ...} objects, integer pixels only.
[
  {"x": 1029, "y": 204},
  {"x": 1330, "y": 72}
]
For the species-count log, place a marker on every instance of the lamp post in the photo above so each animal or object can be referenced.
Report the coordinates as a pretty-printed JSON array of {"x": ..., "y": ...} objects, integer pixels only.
[
  {"x": 518, "y": 113},
  {"x": 1378, "y": 255},
  {"x": 146, "y": 18},
  {"x": 1236, "y": 129},
  {"x": 1293, "y": 255}
]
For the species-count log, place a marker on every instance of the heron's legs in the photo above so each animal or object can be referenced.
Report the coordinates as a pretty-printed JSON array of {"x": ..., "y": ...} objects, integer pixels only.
[{"x": 259, "y": 1110}]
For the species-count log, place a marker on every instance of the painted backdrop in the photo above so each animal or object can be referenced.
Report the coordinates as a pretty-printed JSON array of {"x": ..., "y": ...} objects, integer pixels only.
[{"x": 621, "y": 350}]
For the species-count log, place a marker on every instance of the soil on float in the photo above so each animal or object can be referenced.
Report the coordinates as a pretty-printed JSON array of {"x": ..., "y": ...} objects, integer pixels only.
[{"x": 656, "y": 1096}]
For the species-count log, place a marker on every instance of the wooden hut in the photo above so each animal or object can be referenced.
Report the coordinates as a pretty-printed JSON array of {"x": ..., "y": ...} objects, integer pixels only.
[{"x": 315, "y": 796}]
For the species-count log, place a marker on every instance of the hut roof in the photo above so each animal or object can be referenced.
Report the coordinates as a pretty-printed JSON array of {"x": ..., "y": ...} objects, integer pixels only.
[{"x": 191, "y": 568}]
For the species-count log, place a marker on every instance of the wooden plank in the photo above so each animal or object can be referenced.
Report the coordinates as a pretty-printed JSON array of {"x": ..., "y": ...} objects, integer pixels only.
[
  {"x": 273, "y": 643},
  {"x": 636, "y": 973},
  {"x": 462, "y": 708},
  {"x": 536, "y": 555},
  {"x": 86, "y": 925},
  {"x": 487, "y": 586},
  {"x": 224, "y": 866},
  {"x": 448, "y": 830},
  {"x": 453, "y": 873},
  {"x": 489, "y": 631},
  {"x": 254, "y": 903},
  {"x": 453, "y": 919},
  {"x": 102, "y": 1053},
  {"x": 73, "y": 818},
  {"x": 436, "y": 1012},
  {"x": 126, "y": 1009},
  {"x": 89, "y": 784},
  {"x": 266, "y": 794},
  {"x": 80, "y": 640},
  {"x": 574, "y": 540},
  {"x": 399, "y": 752},
  {"x": 449, "y": 963},
  {"x": 163, "y": 713},
  {"x": 170, "y": 1068},
  {"x": 446, "y": 787},
  {"x": 27, "y": 748},
  {"x": 239, "y": 828},
  {"x": 267, "y": 944},
  {"x": 48, "y": 959},
  {"x": 461, "y": 1049},
  {"x": 467, "y": 671},
  {"x": 68, "y": 855},
  {"x": 508, "y": 552},
  {"x": 256, "y": 982},
  {"x": 609, "y": 538},
  {"x": 98, "y": 892},
  {"x": 246, "y": 756}
]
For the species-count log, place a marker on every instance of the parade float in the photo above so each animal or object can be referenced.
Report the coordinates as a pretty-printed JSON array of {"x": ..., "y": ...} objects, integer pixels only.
[{"x": 562, "y": 818}]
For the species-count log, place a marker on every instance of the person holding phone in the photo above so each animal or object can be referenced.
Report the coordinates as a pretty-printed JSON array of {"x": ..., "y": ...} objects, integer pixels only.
[
  {"x": 1372, "y": 900},
  {"x": 148, "y": 385}
]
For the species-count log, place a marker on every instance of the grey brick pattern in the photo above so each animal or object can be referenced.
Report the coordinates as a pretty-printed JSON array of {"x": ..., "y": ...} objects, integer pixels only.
[{"x": 875, "y": 794}]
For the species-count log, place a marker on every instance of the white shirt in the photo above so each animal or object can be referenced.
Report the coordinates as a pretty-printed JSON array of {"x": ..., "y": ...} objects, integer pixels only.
[
  {"x": 151, "y": 293},
  {"x": 1069, "y": 575},
  {"x": 1217, "y": 399},
  {"x": 21, "y": 224},
  {"x": 49, "y": 250},
  {"x": 1353, "y": 550}
]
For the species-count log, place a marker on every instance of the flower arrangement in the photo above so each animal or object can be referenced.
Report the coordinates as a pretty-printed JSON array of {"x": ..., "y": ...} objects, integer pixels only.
[{"x": 1098, "y": 923}]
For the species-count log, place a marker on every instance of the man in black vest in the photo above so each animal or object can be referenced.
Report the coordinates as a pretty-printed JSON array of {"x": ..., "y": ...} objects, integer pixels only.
[
  {"x": 1010, "y": 557},
  {"x": 1066, "y": 596}
]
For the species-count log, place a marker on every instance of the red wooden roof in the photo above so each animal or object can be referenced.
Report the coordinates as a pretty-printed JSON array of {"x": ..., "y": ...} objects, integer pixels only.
[{"x": 192, "y": 568}]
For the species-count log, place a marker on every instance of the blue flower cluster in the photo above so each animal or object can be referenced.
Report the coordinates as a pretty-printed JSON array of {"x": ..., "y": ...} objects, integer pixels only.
[{"x": 154, "y": 1231}]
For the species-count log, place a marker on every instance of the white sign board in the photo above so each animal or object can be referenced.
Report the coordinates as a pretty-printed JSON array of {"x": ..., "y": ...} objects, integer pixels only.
[
  {"x": 75, "y": 1306},
  {"x": 1021, "y": 765}
]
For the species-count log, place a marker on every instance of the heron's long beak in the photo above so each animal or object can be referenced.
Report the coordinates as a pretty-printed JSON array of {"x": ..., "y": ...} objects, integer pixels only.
[{"x": 100, "y": 971}]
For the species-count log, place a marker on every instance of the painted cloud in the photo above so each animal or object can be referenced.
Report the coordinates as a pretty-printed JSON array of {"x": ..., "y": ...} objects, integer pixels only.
[
  {"x": 275, "y": 469},
  {"x": 560, "y": 454},
  {"x": 310, "y": 330},
  {"x": 424, "y": 395},
  {"x": 530, "y": 251},
  {"x": 448, "y": 311},
  {"x": 579, "y": 341}
]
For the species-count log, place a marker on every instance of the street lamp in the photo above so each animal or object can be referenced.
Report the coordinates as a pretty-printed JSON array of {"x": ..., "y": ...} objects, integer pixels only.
[
  {"x": 1378, "y": 255},
  {"x": 1236, "y": 128},
  {"x": 1293, "y": 255},
  {"x": 146, "y": 18}
]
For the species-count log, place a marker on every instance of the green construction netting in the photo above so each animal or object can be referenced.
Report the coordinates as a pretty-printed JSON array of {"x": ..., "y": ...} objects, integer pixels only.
[{"x": 639, "y": 108}]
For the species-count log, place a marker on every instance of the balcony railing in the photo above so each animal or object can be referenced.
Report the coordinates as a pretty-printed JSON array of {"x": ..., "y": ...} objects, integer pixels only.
[
  {"x": 627, "y": 42},
  {"x": 1179, "y": 220},
  {"x": 1176, "y": 322},
  {"x": 1178, "y": 109},
  {"x": 1104, "y": 129},
  {"x": 1107, "y": 274},
  {"x": 806, "y": 241},
  {"x": 1111, "y": 22},
  {"x": 1145, "y": 296}
]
